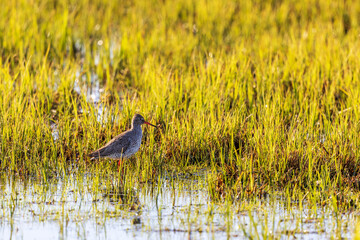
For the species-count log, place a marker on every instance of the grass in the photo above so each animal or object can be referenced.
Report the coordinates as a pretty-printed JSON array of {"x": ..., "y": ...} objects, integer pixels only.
[{"x": 264, "y": 94}]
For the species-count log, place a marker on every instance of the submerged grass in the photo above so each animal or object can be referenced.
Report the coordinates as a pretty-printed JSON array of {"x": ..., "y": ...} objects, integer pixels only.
[{"x": 262, "y": 93}]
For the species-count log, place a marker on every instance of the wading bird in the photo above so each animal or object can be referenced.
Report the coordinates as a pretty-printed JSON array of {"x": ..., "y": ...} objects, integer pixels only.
[{"x": 125, "y": 144}]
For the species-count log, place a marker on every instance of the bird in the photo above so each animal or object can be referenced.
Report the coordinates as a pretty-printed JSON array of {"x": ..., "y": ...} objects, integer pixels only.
[{"x": 124, "y": 145}]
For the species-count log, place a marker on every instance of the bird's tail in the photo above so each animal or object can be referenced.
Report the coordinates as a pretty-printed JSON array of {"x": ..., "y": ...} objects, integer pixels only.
[{"x": 94, "y": 155}]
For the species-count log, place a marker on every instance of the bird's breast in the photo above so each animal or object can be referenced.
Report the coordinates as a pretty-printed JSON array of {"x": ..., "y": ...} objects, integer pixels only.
[{"x": 133, "y": 148}]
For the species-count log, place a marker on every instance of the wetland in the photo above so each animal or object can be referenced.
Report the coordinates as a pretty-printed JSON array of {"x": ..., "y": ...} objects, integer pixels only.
[{"x": 256, "y": 105}]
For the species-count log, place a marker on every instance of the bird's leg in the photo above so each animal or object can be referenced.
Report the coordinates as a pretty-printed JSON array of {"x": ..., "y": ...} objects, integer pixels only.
[
  {"x": 121, "y": 167},
  {"x": 119, "y": 162}
]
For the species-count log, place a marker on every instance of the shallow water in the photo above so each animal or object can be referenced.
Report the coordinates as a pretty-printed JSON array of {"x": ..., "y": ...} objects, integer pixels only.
[{"x": 176, "y": 208}]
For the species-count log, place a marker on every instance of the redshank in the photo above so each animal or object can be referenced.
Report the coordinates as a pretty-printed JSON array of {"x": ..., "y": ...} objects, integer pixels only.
[{"x": 125, "y": 144}]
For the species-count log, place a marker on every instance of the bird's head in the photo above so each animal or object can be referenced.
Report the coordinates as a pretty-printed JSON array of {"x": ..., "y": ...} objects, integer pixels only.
[{"x": 138, "y": 120}]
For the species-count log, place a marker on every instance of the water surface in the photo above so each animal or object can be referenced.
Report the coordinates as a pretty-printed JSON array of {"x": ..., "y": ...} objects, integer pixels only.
[{"x": 174, "y": 208}]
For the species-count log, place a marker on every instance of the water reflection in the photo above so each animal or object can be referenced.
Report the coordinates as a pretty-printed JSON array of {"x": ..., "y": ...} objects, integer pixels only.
[{"x": 93, "y": 207}]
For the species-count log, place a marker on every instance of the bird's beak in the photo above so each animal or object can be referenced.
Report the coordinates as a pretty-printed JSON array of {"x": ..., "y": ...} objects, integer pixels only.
[{"x": 149, "y": 124}]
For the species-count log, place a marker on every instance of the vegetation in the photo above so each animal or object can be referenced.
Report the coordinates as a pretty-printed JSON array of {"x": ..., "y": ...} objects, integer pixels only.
[{"x": 264, "y": 94}]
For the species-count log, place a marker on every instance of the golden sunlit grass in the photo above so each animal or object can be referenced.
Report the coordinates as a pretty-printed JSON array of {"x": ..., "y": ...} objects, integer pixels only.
[{"x": 263, "y": 93}]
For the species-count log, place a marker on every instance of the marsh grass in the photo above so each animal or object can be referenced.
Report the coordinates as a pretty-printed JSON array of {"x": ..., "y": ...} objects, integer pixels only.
[{"x": 263, "y": 94}]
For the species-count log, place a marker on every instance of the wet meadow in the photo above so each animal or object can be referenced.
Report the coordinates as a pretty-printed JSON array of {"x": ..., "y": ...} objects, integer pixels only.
[{"x": 256, "y": 105}]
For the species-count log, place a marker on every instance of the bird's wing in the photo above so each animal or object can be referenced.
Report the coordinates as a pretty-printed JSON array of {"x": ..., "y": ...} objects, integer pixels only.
[{"x": 118, "y": 144}]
